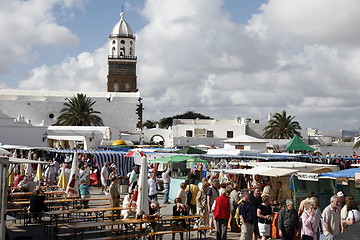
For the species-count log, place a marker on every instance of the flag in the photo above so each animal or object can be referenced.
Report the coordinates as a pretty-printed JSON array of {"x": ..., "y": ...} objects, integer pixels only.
[
  {"x": 62, "y": 183},
  {"x": 73, "y": 184},
  {"x": 39, "y": 173},
  {"x": 11, "y": 175}
]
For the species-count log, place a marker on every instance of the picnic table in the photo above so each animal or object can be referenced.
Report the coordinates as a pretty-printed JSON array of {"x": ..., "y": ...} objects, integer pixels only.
[
  {"x": 128, "y": 226},
  {"x": 72, "y": 214}
]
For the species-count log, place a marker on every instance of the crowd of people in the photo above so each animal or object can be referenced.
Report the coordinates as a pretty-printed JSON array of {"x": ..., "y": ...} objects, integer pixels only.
[
  {"x": 252, "y": 213},
  {"x": 223, "y": 204}
]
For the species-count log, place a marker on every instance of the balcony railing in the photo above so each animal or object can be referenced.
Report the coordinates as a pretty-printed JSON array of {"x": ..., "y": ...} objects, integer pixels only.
[
  {"x": 122, "y": 57},
  {"x": 122, "y": 35}
]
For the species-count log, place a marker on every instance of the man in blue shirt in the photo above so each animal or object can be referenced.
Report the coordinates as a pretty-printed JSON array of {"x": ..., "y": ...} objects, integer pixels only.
[{"x": 247, "y": 216}]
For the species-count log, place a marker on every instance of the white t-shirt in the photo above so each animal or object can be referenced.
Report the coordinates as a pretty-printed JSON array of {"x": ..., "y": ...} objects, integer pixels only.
[
  {"x": 354, "y": 213},
  {"x": 104, "y": 173}
]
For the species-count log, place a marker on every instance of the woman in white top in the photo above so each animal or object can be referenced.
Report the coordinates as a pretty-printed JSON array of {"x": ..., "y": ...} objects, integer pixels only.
[
  {"x": 182, "y": 194},
  {"x": 353, "y": 213}
]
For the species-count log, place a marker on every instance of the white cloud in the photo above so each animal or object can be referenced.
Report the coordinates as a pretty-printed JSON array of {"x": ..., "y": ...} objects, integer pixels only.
[
  {"x": 25, "y": 25},
  {"x": 299, "y": 56},
  {"x": 86, "y": 72},
  {"x": 321, "y": 21}
]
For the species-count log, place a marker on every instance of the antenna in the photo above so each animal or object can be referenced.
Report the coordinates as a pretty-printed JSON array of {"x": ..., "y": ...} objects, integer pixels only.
[{"x": 122, "y": 7}]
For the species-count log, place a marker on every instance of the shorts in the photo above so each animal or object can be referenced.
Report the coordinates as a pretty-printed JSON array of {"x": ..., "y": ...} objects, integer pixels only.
[
  {"x": 264, "y": 229},
  {"x": 104, "y": 182}
]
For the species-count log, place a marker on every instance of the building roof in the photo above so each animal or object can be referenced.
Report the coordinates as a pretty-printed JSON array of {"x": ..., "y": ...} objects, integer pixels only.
[
  {"x": 43, "y": 95},
  {"x": 245, "y": 139},
  {"x": 122, "y": 27}
]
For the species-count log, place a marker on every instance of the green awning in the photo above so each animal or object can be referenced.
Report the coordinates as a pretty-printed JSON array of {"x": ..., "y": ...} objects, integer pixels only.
[
  {"x": 178, "y": 158},
  {"x": 296, "y": 144},
  {"x": 190, "y": 150}
]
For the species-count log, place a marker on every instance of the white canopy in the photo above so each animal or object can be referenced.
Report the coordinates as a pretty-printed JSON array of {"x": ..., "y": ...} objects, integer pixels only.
[
  {"x": 24, "y": 160},
  {"x": 300, "y": 166},
  {"x": 264, "y": 171},
  {"x": 69, "y": 138}
]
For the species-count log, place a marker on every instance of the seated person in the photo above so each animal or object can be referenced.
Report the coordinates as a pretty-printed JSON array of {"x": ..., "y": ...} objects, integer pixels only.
[
  {"x": 33, "y": 185},
  {"x": 154, "y": 213},
  {"x": 24, "y": 185},
  {"x": 17, "y": 179},
  {"x": 179, "y": 209},
  {"x": 128, "y": 202},
  {"x": 37, "y": 204},
  {"x": 153, "y": 210}
]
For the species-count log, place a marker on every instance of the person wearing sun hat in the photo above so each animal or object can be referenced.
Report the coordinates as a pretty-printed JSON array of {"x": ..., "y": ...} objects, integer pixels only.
[{"x": 341, "y": 200}]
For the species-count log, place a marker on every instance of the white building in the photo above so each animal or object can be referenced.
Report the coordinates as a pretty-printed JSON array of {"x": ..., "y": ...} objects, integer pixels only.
[
  {"x": 246, "y": 143},
  {"x": 120, "y": 107},
  {"x": 193, "y": 132}
]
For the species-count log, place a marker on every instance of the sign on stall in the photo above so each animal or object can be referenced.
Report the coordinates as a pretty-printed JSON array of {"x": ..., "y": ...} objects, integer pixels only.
[
  {"x": 308, "y": 176},
  {"x": 357, "y": 180}
]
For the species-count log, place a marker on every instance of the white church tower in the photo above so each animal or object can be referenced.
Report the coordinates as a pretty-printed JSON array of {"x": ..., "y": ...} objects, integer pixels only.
[{"x": 122, "y": 59}]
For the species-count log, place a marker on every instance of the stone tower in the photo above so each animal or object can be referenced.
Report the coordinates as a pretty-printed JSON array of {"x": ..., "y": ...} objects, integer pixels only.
[{"x": 122, "y": 59}]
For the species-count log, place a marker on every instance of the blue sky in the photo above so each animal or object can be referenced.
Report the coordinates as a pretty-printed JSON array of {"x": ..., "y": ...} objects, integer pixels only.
[{"x": 223, "y": 58}]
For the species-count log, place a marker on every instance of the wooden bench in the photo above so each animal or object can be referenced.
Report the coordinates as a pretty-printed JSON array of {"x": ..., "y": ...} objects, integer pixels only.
[
  {"x": 159, "y": 234},
  {"x": 201, "y": 231},
  {"x": 100, "y": 231},
  {"x": 127, "y": 236}
]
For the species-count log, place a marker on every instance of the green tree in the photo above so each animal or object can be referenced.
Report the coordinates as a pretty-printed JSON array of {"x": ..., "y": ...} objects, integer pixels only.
[
  {"x": 78, "y": 111},
  {"x": 281, "y": 126},
  {"x": 166, "y": 122},
  {"x": 150, "y": 124}
]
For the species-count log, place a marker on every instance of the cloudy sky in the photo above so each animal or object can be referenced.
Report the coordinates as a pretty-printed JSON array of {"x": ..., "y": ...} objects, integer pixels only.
[{"x": 222, "y": 58}]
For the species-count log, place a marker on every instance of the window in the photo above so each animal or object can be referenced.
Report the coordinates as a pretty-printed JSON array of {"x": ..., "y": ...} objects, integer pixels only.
[
  {"x": 122, "y": 42},
  {"x": 210, "y": 134},
  {"x": 229, "y": 134},
  {"x": 239, "y": 147},
  {"x": 189, "y": 133},
  {"x": 127, "y": 87},
  {"x": 199, "y": 132},
  {"x": 116, "y": 87}
]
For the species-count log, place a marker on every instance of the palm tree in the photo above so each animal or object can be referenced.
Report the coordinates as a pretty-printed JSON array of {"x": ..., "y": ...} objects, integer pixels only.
[
  {"x": 281, "y": 127},
  {"x": 78, "y": 111}
]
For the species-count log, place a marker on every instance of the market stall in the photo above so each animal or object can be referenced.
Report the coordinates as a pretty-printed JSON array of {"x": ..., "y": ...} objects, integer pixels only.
[{"x": 183, "y": 167}]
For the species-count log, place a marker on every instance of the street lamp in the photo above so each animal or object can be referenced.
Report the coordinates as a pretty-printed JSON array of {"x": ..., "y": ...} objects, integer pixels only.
[{"x": 45, "y": 135}]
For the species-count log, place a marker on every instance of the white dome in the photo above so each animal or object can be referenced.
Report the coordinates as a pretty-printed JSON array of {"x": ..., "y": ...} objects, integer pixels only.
[{"x": 122, "y": 27}]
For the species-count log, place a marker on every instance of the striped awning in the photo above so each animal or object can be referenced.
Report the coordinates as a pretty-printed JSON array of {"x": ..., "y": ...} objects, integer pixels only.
[{"x": 123, "y": 164}]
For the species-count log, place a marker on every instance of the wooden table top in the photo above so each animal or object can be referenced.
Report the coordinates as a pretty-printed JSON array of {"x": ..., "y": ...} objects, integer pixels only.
[
  {"x": 18, "y": 194},
  {"x": 81, "y": 225},
  {"x": 54, "y": 192},
  {"x": 84, "y": 210}
]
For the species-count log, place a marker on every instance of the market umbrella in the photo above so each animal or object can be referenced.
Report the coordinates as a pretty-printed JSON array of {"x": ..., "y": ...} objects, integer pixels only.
[
  {"x": 190, "y": 150},
  {"x": 73, "y": 184},
  {"x": 143, "y": 199},
  {"x": 137, "y": 155},
  {"x": 178, "y": 158},
  {"x": 134, "y": 153}
]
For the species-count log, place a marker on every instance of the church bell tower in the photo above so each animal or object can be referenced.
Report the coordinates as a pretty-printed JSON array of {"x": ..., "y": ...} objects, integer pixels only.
[{"x": 122, "y": 59}]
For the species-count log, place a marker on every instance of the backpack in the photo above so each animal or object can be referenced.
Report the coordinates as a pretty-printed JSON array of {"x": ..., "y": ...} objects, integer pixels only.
[
  {"x": 188, "y": 197},
  {"x": 237, "y": 215}
]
